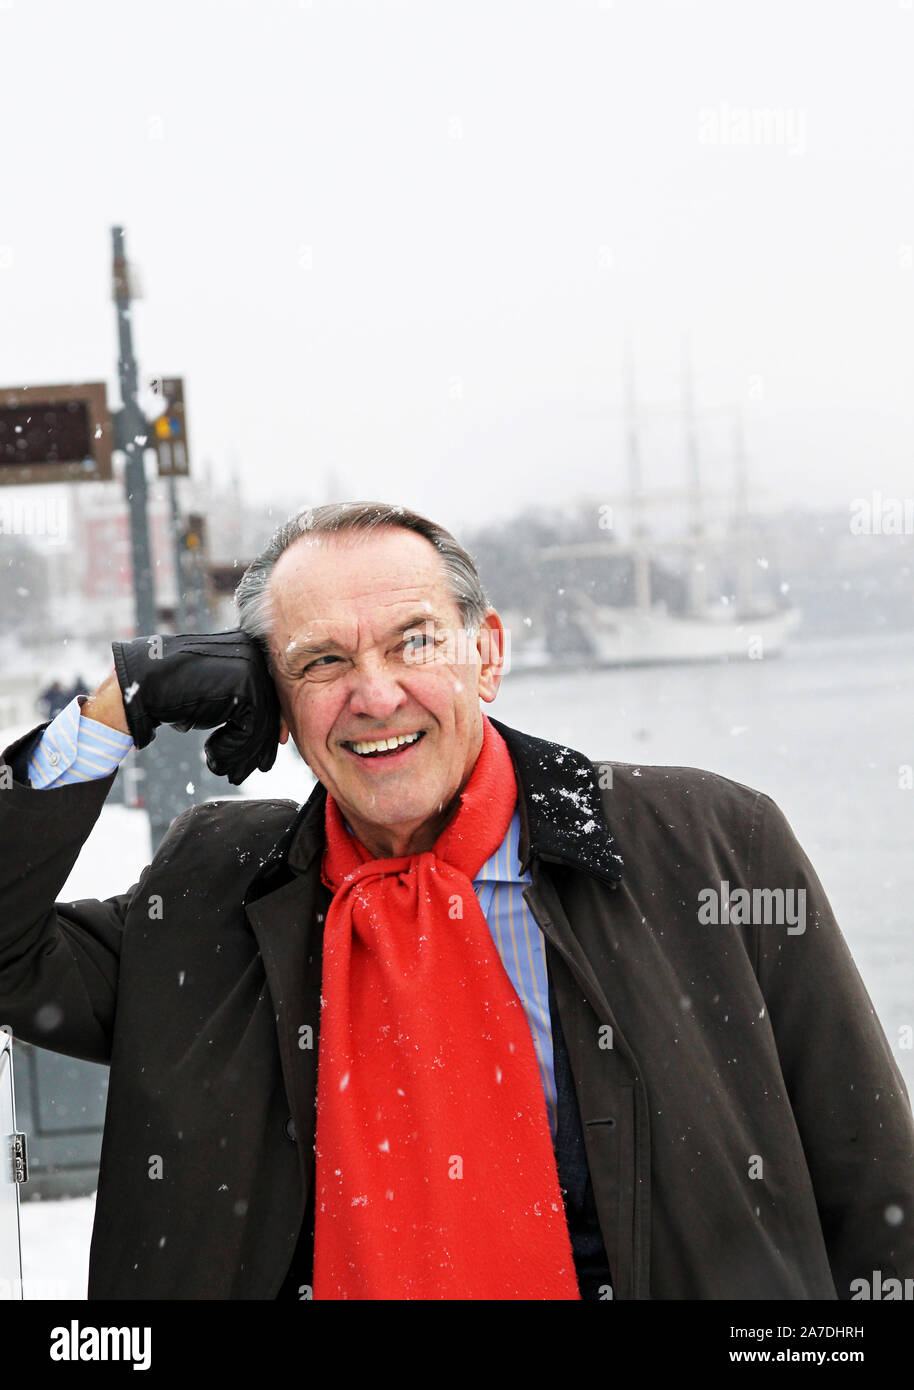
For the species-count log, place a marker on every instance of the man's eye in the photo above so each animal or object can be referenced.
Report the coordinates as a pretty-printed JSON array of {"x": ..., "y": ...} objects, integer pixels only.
[
  {"x": 418, "y": 642},
  {"x": 320, "y": 663}
]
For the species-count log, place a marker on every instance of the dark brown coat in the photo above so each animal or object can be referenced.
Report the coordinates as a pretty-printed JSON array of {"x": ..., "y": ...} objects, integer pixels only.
[{"x": 701, "y": 1053}]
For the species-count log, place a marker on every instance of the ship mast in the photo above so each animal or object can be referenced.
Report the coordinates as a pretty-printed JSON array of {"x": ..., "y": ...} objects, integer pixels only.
[
  {"x": 744, "y": 570},
  {"x": 640, "y": 553},
  {"x": 698, "y": 579}
]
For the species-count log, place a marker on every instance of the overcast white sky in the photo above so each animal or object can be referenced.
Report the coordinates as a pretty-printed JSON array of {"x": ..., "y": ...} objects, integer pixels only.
[{"x": 393, "y": 247}]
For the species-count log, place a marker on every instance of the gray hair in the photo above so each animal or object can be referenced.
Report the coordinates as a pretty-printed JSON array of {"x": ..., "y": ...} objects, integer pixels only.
[{"x": 252, "y": 596}]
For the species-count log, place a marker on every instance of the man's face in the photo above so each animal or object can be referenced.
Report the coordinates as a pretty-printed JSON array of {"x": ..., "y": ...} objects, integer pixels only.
[{"x": 368, "y": 644}]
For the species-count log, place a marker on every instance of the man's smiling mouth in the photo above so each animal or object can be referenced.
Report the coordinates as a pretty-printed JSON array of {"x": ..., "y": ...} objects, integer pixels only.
[{"x": 382, "y": 747}]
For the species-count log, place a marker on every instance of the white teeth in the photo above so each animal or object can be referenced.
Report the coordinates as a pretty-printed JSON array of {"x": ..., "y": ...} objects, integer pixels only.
[{"x": 383, "y": 745}]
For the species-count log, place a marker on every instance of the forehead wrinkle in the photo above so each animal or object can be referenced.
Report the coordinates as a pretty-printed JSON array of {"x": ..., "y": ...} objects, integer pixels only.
[
  {"x": 315, "y": 590},
  {"x": 325, "y": 636}
]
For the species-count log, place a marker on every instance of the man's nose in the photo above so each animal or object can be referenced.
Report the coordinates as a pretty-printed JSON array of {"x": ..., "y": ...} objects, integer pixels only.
[{"x": 376, "y": 691}]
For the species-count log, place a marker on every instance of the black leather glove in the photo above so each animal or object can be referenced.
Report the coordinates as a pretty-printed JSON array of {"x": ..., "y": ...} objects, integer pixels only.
[{"x": 196, "y": 682}]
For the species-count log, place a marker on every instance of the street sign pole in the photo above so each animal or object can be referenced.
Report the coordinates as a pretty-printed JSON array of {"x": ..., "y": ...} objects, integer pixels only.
[
  {"x": 199, "y": 602},
  {"x": 130, "y": 436},
  {"x": 177, "y": 539},
  {"x": 162, "y": 785},
  {"x": 169, "y": 436}
]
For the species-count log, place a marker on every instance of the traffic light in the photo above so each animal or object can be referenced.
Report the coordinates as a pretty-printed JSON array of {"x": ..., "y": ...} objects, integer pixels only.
[
  {"x": 169, "y": 431},
  {"x": 54, "y": 434},
  {"x": 195, "y": 534}
]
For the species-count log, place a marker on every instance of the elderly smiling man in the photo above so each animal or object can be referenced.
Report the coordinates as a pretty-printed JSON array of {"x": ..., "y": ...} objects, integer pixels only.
[{"x": 461, "y": 1025}]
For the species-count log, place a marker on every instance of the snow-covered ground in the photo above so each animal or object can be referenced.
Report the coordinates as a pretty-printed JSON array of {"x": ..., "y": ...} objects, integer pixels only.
[{"x": 55, "y": 1247}]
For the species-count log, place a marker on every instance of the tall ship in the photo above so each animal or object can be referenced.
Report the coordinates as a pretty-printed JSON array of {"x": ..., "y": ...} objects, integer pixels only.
[{"x": 637, "y": 599}]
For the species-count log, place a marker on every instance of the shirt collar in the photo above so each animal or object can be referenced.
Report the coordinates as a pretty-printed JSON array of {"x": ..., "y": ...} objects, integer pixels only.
[{"x": 504, "y": 865}]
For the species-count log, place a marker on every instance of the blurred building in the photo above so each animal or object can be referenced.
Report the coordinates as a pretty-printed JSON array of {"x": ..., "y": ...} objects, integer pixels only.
[{"x": 68, "y": 579}]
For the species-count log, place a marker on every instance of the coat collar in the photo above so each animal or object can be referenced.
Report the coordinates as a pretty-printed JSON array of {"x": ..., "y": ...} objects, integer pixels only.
[
  {"x": 562, "y": 817},
  {"x": 561, "y": 814}
]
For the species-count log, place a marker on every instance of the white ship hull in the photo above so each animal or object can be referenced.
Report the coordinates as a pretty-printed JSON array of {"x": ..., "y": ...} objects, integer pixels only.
[{"x": 631, "y": 637}]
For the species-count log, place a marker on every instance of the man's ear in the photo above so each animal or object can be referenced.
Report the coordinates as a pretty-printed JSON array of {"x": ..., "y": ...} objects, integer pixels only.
[
  {"x": 268, "y": 658},
  {"x": 492, "y": 645}
]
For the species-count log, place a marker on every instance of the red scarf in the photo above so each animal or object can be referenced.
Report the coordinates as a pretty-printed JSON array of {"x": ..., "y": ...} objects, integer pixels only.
[{"x": 435, "y": 1174}]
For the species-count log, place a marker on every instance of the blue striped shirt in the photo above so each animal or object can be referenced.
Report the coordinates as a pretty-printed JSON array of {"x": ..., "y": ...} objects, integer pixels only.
[
  {"x": 499, "y": 887},
  {"x": 74, "y": 748}
]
